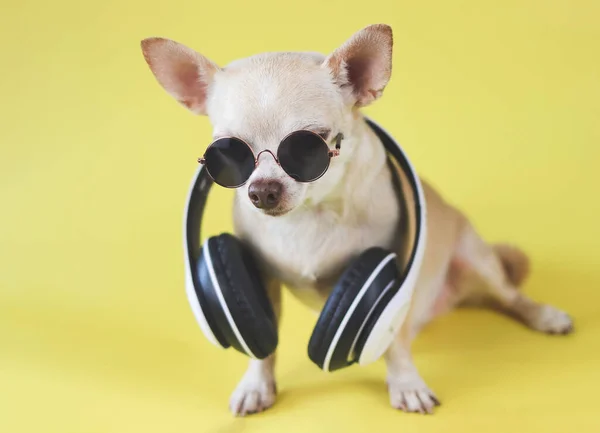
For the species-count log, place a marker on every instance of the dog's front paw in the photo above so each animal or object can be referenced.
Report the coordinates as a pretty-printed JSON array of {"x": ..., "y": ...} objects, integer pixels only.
[
  {"x": 253, "y": 395},
  {"x": 411, "y": 396}
]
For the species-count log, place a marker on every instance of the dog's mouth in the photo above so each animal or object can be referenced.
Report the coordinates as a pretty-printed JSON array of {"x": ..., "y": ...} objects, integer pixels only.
[{"x": 275, "y": 212}]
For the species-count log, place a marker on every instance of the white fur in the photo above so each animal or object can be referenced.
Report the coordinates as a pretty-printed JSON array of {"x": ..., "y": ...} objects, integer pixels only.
[{"x": 320, "y": 226}]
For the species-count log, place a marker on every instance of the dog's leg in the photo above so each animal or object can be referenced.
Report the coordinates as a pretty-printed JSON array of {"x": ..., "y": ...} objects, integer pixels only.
[
  {"x": 502, "y": 269},
  {"x": 257, "y": 389},
  {"x": 407, "y": 390}
]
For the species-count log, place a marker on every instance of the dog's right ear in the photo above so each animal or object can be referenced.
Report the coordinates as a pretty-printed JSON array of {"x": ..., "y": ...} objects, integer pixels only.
[
  {"x": 363, "y": 64},
  {"x": 182, "y": 72}
]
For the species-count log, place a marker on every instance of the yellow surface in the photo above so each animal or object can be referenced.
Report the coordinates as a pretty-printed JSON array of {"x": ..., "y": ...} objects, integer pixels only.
[{"x": 496, "y": 102}]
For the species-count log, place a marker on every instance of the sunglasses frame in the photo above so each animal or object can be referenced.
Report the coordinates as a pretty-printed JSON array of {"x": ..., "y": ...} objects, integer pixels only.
[{"x": 331, "y": 152}]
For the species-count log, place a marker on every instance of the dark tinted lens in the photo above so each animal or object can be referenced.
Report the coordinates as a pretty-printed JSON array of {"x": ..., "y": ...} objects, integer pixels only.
[
  {"x": 304, "y": 156},
  {"x": 229, "y": 162}
]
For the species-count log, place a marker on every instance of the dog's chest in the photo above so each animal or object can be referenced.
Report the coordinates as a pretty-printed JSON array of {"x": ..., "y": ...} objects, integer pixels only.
[{"x": 308, "y": 255}]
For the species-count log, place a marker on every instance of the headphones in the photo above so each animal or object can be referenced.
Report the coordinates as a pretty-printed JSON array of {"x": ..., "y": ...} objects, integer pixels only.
[{"x": 361, "y": 316}]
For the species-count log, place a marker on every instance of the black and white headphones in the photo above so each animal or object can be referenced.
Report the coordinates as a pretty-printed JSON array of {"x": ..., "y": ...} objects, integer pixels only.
[{"x": 361, "y": 316}]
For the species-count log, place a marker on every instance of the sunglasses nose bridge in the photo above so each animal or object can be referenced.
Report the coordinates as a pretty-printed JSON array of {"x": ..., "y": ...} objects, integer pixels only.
[{"x": 269, "y": 152}]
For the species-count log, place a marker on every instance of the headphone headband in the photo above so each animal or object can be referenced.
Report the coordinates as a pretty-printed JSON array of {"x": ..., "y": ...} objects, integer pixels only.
[{"x": 386, "y": 327}]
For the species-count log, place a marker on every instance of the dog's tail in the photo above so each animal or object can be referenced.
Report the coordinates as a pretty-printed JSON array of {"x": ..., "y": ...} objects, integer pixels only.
[{"x": 515, "y": 262}]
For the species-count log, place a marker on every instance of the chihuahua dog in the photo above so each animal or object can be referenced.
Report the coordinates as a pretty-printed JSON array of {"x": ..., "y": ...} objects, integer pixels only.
[{"x": 304, "y": 234}]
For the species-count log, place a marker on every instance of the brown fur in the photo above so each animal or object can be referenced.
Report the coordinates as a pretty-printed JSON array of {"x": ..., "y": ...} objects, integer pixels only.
[{"x": 308, "y": 239}]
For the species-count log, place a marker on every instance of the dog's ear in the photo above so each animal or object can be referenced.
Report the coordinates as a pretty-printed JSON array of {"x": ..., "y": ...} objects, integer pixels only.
[
  {"x": 182, "y": 72},
  {"x": 363, "y": 64}
]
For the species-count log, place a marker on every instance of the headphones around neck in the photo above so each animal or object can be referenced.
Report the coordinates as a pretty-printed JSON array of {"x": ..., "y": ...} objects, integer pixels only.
[{"x": 361, "y": 316}]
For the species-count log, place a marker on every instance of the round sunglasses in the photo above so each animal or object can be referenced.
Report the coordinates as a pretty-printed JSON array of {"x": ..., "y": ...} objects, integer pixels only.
[{"x": 303, "y": 155}]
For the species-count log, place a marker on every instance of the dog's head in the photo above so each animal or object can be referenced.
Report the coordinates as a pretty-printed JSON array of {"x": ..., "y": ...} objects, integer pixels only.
[{"x": 263, "y": 98}]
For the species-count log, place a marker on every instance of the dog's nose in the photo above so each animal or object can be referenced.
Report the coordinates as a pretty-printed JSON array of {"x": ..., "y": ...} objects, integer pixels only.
[{"x": 265, "y": 194}]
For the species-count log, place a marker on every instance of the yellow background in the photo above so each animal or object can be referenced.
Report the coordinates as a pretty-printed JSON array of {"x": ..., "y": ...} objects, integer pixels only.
[{"x": 496, "y": 102}]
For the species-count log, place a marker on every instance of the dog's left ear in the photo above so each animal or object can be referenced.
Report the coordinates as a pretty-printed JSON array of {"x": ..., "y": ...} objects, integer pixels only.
[
  {"x": 363, "y": 64},
  {"x": 185, "y": 74}
]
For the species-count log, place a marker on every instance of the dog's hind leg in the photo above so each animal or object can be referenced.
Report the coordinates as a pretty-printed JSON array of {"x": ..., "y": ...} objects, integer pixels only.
[{"x": 494, "y": 274}]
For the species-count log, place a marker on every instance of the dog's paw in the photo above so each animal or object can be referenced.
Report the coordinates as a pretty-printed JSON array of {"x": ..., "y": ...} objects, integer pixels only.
[
  {"x": 552, "y": 320},
  {"x": 412, "y": 396},
  {"x": 252, "y": 395}
]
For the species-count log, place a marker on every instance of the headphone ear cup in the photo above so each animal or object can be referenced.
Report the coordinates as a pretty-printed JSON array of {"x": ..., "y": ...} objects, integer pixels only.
[
  {"x": 348, "y": 308},
  {"x": 237, "y": 297}
]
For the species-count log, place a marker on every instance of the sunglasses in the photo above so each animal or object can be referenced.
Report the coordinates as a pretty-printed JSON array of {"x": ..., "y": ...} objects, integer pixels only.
[{"x": 303, "y": 155}]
